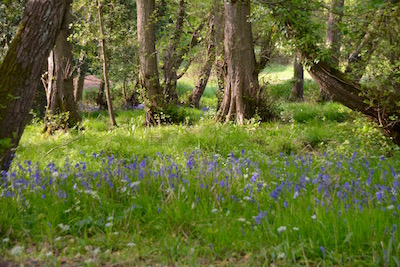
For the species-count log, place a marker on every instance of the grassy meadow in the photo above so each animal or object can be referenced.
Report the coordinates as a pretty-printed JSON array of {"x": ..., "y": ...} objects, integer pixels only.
[{"x": 317, "y": 186}]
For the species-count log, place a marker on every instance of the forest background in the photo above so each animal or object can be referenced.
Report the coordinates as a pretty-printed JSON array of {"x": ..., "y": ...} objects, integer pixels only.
[{"x": 201, "y": 141}]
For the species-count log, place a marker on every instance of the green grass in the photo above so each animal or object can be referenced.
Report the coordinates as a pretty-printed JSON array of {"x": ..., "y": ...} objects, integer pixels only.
[
  {"x": 279, "y": 73},
  {"x": 316, "y": 187}
]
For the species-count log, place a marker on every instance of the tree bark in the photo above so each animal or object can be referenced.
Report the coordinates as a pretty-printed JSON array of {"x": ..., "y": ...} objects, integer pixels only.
[
  {"x": 348, "y": 92},
  {"x": 148, "y": 74},
  {"x": 333, "y": 39},
  {"x": 22, "y": 67},
  {"x": 61, "y": 88},
  {"x": 198, "y": 90},
  {"x": 242, "y": 89},
  {"x": 105, "y": 66},
  {"x": 172, "y": 56},
  {"x": 220, "y": 65},
  {"x": 298, "y": 79},
  {"x": 79, "y": 80}
]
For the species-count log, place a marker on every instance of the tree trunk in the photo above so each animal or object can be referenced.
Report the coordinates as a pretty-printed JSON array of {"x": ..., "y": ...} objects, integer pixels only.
[
  {"x": 105, "y": 66},
  {"x": 148, "y": 74},
  {"x": 79, "y": 80},
  {"x": 334, "y": 34},
  {"x": 333, "y": 39},
  {"x": 220, "y": 66},
  {"x": 172, "y": 56},
  {"x": 242, "y": 90},
  {"x": 198, "y": 90},
  {"x": 101, "y": 103},
  {"x": 61, "y": 88},
  {"x": 298, "y": 79},
  {"x": 22, "y": 67},
  {"x": 348, "y": 92}
]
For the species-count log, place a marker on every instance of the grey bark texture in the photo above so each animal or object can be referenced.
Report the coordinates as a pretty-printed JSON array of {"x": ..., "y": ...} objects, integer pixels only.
[
  {"x": 241, "y": 82},
  {"x": 148, "y": 74},
  {"x": 22, "y": 68},
  {"x": 60, "y": 93}
]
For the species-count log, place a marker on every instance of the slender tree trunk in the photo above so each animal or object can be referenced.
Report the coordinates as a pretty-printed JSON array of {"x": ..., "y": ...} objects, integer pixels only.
[
  {"x": 101, "y": 103},
  {"x": 105, "y": 66},
  {"x": 148, "y": 75},
  {"x": 79, "y": 80},
  {"x": 333, "y": 39},
  {"x": 242, "y": 90},
  {"x": 61, "y": 87},
  {"x": 22, "y": 67},
  {"x": 198, "y": 90},
  {"x": 220, "y": 65},
  {"x": 359, "y": 58},
  {"x": 172, "y": 56},
  {"x": 298, "y": 79}
]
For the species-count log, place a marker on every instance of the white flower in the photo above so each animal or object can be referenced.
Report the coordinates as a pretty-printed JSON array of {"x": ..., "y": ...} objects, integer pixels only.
[
  {"x": 96, "y": 251},
  {"x": 295, "y": 229},
  {"x": 116, "y": 233},
  {"x": 390, "y": 207},
  {"x": 193, "y": 205},
  {"x": 6, "y": 240},
  {"x": 110, "y": 218},
  {"x": 131, "y": 245},
  {"x": 64, "y": 227},
  {"x": 58, "y": 238},
  {"x": 247, "y": 198},
  {"x": 281, "y": 229},
  {"x": 241, "y": 219},
  {"x": 214, "y": 211},
  {"x": 109, "y": 224},
  {"x": 314, "y": 217},
  {"x": 281, "y": 255},
  {"x": 55, "y": 174},
  {"x": 49, "y": 253},
  {"x": 17, "y": 250}
]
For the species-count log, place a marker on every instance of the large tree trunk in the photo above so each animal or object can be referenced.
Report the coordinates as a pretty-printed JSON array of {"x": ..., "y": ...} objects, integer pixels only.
[
  {"x": 22, "y": 67},
  {"x": 61, "y": 88},
  {"x": 298, "y": 79},
  {"x": 148, "y": 75},
  {"x": 348, "y": 92},
  {"x": 105, "y": 66},
  {"x": 198, "y": 90},
  {"x": 241, "y": 90}
]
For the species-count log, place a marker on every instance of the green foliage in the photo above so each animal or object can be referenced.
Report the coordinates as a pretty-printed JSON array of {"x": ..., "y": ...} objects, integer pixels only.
[{"x": 10, "y": 16}]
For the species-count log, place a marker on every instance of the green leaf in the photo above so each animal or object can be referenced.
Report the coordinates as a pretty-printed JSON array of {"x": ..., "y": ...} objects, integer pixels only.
[{"x": 347, "y": 239}]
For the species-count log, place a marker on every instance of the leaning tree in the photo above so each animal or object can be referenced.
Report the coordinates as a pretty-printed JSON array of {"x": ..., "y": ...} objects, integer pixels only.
[
  {"x": 22, "y": 68},
  {"x": 379, "y": 97}
]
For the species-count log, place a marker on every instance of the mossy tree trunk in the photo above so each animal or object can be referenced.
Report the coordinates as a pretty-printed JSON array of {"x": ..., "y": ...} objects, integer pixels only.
[
  {"x": 60, "y": 93},
  {"x": 241, "y": 89},
  {"x": 148, "y": 75},
  {"x": 22, "y": 68}
]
